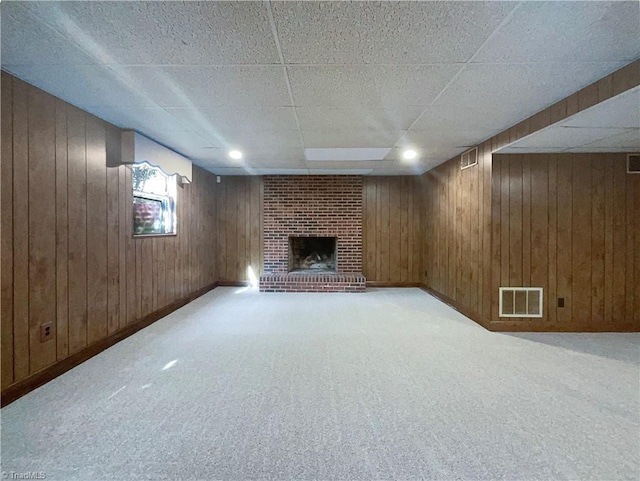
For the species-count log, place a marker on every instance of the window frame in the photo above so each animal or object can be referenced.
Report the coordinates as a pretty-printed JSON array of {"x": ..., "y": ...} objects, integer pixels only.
[{"x": 168, "y": 201}]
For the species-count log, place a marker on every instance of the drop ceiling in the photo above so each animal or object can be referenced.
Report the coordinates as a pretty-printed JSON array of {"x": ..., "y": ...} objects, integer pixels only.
[{"x": 275, "y": 78}]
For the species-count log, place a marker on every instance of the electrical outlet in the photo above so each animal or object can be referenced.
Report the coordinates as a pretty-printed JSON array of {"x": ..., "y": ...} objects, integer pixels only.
[
  {"x": 46, "y": 331},
  {"x": 560, "y": 301}
]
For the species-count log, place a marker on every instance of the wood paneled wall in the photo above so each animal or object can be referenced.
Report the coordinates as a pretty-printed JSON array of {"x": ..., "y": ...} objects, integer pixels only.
[
  {"x": 457, "y": 233},
  {"x": 239, "y": 228},
  {"x": 392, "y": 226},
  {"x": 68, "y": 254},
  {"x": 461, "y": 236},
  {"x": 569, "y": 223},
  {"x": 392, "y": 229}
]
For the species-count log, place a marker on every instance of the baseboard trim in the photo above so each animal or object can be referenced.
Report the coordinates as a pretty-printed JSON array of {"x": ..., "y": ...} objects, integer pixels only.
[
  {"x": 34, "y": 381},
  {"x": 233, "y": 283},
  {"x": 392, "y": 284},
  {"x": 474, "y": 316}
]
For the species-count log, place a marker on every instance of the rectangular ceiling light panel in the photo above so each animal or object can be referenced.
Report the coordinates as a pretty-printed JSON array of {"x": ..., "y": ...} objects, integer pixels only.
[{"x": 342, "y": 154}]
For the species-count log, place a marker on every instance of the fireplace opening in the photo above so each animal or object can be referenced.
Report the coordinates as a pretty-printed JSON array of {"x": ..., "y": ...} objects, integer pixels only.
[{"x": 312, "y": 254}]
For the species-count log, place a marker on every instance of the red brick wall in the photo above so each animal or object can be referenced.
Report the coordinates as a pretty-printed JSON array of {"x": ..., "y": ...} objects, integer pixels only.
[{"x": 312, "y": 205}]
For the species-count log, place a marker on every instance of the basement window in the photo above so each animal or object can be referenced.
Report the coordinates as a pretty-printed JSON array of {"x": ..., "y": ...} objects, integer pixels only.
[
  {"x": 520, "y": 302},
  {"x": 154, "y": 201}
]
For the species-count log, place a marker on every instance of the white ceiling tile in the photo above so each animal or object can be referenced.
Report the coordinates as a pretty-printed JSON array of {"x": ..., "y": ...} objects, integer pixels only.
[
  {"x": 255, "y": 157},
  {"x": 589, "y": 149},
  {"x": 259, "y": 140},
  {"x": 211, "y": 86},
  {"x": 227, "y": 120},
  {"x": 143, "y": 119},
  {"x": 385, "y": 32},
  {"x": 350, "y": 138},
  {"x": 25, "y": 41},
  {"x": 566, "y": 137},
  {"x": 466, "y": 117},
  {"x": 202, "y": 77},
  {"x": 358, "y": 118},
  {"x": 277, "y": 157},
  {"x": 384, "y": 86},
  {"x": 353, "y": 164},
  {"x": 165, "y": 32},
  {"x": 334, "y": 154},
  {"x": 184, "y": 142},
  {"x": 436, "y": 141},
  {"x": 567, "y": 32},
  {"x": 628, "y": 140},
  {"x": 260, "y": 163},
  {"x": 522, "y": 89},
  {"x": 85, "y": 86}
]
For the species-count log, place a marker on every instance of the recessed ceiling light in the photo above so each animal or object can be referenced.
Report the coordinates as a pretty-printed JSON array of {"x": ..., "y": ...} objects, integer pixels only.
[
  {"x": 235, "y": 154},
  {"x": 409, "y": 154}
]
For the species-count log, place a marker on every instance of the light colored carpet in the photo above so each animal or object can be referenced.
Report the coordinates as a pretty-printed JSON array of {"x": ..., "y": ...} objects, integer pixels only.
[{"x": 389, "y": 384}]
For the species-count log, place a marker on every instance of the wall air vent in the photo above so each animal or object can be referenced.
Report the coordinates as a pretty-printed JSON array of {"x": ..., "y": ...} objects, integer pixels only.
[
  {"x": 633, "y": 163},
  {"x": 469, "y": 158},
  {"x": 520, "y": 302}
]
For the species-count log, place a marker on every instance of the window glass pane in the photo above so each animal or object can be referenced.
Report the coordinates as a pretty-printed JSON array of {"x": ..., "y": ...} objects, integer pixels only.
[
  {"x": 534, "y": 302},
  {"x": 507, "y": 302},
  {"x": 521, "y": 302},
  {"x": 154, "y": 201}
]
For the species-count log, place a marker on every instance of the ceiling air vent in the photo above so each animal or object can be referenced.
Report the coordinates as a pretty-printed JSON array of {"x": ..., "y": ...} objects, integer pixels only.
[
  {"x": 520, "y": 302},
  {"x": 633, "y": 163},
  {"x": 469, "y": 158}
]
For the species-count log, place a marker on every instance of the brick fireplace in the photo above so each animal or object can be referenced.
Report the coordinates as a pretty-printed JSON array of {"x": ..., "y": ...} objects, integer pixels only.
[{"x": 312, "y": 206}]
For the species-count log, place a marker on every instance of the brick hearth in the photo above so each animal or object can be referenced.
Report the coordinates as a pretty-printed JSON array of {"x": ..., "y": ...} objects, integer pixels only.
[{"x": 312, "y": 205}]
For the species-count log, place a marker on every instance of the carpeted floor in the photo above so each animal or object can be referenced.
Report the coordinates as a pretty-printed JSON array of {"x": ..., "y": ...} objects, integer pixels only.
[{"x": 389, "y": 384}]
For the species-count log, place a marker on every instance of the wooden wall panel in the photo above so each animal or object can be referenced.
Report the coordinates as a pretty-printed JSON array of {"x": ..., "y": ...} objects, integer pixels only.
[
  {"x": 239, "y": 227},
  {"x": 20, "y": 230},
  {"x": 42, "y": 227},
  {"x": 6, "y": 226},
  {"x": 97, "y": 285},
  {"x": 503, "y": 196},
  {"x": 68, "y": 252},
  {"x": 62, "y": 232},
  {"x": 582, "y": 242},
  {"x": 77, "y": 192},
  {"x": 391, "y": 230},
  {"x": 458, "y": 211},
  {"x": 537, "y": 245}
]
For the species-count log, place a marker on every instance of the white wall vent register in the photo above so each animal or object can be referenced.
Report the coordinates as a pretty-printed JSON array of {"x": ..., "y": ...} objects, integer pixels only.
[
  {"x": 520, "y": 302},
  {"x": 469, "y": 158}
]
